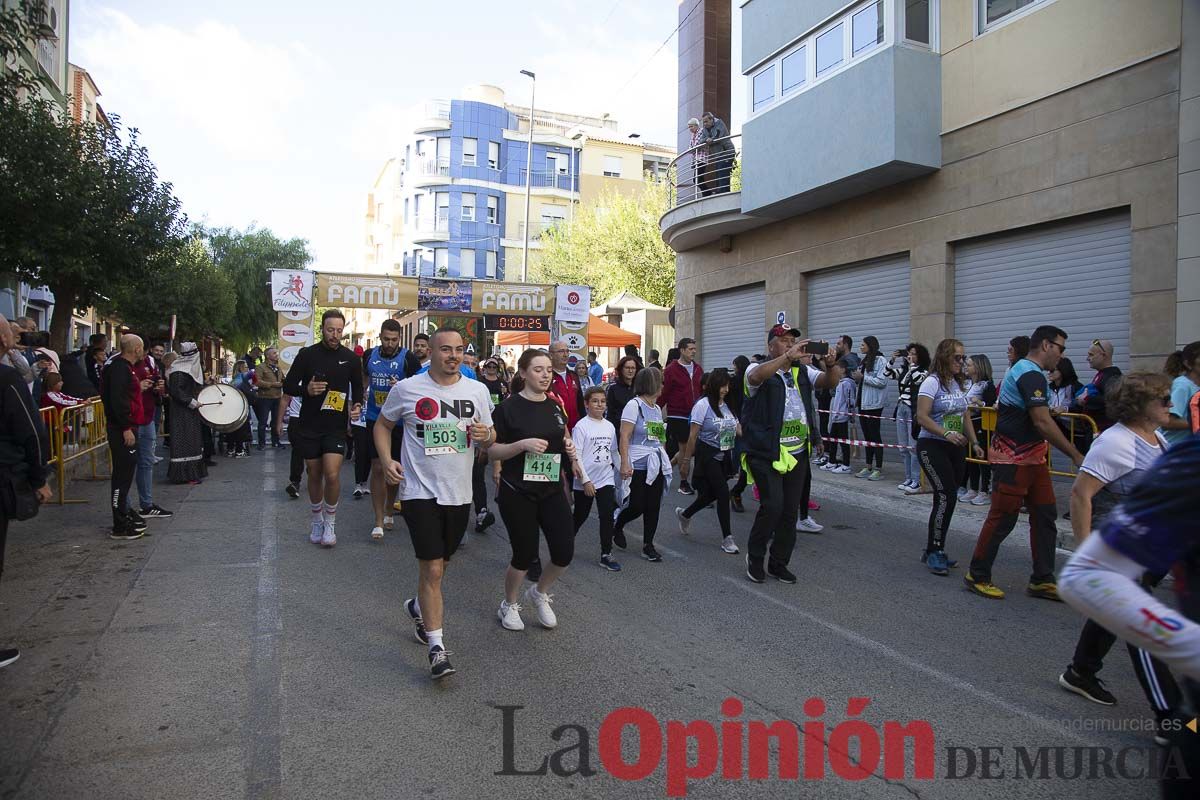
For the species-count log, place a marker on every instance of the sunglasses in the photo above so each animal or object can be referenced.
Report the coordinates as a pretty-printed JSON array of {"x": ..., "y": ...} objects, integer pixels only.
[{"x": 960, "y": 359}]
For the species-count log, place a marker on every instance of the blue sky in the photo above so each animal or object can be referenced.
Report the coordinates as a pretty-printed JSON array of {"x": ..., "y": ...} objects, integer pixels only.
[{"x": 281, "y": 113}]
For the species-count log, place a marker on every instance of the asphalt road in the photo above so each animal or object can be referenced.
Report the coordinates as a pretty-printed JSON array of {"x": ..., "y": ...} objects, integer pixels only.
[{"x": 225, "y": 656}]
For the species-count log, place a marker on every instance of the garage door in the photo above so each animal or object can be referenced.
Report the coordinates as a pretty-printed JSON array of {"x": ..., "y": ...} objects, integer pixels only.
[
  {"x": 732, "y": 323},
  {"x": 870, "y": 299},
  {"x": 1074, "y": 275}
]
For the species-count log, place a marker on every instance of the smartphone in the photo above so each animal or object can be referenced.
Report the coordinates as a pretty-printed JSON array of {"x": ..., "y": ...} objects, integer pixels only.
[
  {"x": 817, "y": 348},
  {"x": 319, "y": 377}
]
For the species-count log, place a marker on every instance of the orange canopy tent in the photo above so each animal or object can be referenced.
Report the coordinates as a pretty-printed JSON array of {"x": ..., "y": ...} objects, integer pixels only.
[{"x": 600, "y": 334}]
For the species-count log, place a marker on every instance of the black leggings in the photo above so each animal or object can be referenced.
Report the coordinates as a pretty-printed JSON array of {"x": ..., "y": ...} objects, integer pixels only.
[
  {"x": 362, "y": 454},
  {"x": 523, "y": 515},
  {"x": 644, "y": 502},
  {"x": 296, "y": 465},
  {"x": 978, "y": 477},
  {"x": 478, "y": 485},
  {"x": 871, "y": 426},
  {"x": 124, "y": 465},
  {"x": 839, "y": 430},
  {"x": 944, "y": 464},
  {"x": 606, "y": 501},
  {"x": 708, "y": 476}
]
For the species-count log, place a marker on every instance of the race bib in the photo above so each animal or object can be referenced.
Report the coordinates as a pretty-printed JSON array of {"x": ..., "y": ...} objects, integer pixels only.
[
  {"x": 794, "y": 434},
  {"x": 725, "y": 438},
  {"x": 334, "y": 401},
  {"x": 495, "y": 399},
  {"x": 445, "y": 438},
  {"x": 542, "y": 467},
  {"x": 381, "y": 397},
  {"x": 656, "y": 431},
  {"x": 953, "y": 423}
]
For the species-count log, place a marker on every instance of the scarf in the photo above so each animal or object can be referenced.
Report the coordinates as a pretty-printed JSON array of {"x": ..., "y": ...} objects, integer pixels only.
[{"x": 188, "y": 362}]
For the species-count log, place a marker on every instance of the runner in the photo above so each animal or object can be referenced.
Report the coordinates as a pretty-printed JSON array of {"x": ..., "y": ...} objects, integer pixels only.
[
  {"x": 645, "y": 465},
  {"x": 713, "y": 431},
  {"x": 775, "y": 429},
  {"x": 491, "y": 377},
  {"x": 442, "y": 414},
  {"x": 531, "y": 440},
  {"x": 593, "y": 437},
  {"x": 320, "y": 432},
  {"x": 1021, "y": 472},
  {"x": 420, "y": 348},
  {"x": 946, "y": 432},
  {"x": 386, "y": 365}
]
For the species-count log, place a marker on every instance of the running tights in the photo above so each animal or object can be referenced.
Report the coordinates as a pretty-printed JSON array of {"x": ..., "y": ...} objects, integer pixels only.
[
  {"x": 944, "y": 464},
  {"x": 606, "y": 502}
]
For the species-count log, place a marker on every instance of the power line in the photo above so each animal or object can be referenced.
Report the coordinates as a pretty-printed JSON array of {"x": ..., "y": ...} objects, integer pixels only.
[
  {"x": 610, "y": 13},
  {"x": 665, "y": 42}
]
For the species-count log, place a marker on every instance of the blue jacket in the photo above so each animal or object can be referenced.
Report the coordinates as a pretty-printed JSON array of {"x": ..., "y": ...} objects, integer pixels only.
[{"x": 874, "y": 384}]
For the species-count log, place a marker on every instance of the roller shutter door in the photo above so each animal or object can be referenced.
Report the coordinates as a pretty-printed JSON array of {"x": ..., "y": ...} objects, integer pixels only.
[
  {"x": 732, "y": 323},
  {"x": 1074, "y": 275},
  {"x": 870, "y": 299}
]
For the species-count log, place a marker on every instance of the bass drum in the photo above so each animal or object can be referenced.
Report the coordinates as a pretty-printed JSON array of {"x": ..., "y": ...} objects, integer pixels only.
[{"x": 223, "y": 408}]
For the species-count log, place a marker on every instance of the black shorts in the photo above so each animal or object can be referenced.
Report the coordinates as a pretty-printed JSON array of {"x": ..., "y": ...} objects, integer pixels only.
[
  {"x": 678, "y": 431},
  {"x": 436, "y": 530},
  {"x": 397, "y": 440},
  {"x": 314, "y": 445}
]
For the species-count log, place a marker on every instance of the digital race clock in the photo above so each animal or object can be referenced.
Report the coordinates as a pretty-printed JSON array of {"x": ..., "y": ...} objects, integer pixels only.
[{"x": 515, "y": 322}]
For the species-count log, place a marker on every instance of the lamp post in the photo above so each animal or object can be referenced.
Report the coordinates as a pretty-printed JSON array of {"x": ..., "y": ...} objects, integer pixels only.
[{"x": 528, "y": 174}]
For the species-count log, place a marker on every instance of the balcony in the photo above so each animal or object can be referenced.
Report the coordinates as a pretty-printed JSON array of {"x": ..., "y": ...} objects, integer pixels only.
[
  {"x": 431, "y": 171},
  {"x": 436, "y": 117},
  {"x": 543, "y": 179},
  {"x": 432, "y": 228}
]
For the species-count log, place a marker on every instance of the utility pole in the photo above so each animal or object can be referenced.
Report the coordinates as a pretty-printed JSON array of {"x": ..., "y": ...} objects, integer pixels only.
[{"x": 528, "y": 175}]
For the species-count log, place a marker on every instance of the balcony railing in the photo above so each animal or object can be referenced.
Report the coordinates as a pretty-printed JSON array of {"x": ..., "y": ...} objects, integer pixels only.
[
  {"x": 435, "y": 226},
  {"x": 706, "y": 170},
  {"x": 537, "y": 229},
  {"x": 436, "y": 166},
  {"x": 437, "y": 109},
  {"x": 549, "y": 180}
]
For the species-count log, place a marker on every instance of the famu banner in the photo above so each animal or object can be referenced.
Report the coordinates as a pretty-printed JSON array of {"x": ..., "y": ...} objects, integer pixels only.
[
  {"x": 336, "y": 290},
  {"x": 513, "y": 298}
]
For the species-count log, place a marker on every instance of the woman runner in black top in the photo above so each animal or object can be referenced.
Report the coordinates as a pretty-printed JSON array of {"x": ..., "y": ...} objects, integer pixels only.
[{"x": 534, "y": 447}]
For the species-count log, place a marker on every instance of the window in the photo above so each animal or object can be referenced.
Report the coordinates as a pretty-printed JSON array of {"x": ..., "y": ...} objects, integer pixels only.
[
  {"x": 468, "y": 207},
  {"x": 795, "y": 69},
  {"x": 407, "y": 157},
  {"x": 867, "y": 27},
  {"x": 558, "y": 163},
  {"x": 404, "y": 263},
  {"x": 417, "y": 207},
  {"x": 493, "y": 210},
  {"x": 491, "y": 263},
  {"x": 466, "y": 262},
  {"x": 764, "y": 87},
  {"x": 992, "y": 11},
  {"x": 493, "y": 155},
  {"x": 420, "y": 147},
  {"x": 441, "y": 262},
  {"x": 829, "y": 48},
  {"x": 916, "y": 21},
  {"x": 406, "y": 211},
  {"x": 612, "y": 166},
  {"x": 470, "y": 147},
  {"x": 442, "y": 202}
]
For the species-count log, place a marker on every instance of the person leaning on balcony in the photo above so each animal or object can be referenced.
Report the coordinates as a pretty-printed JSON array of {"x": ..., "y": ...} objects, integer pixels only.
[
  {"x": 699, "y": 152},
  {"x": 720, "y": 154}
]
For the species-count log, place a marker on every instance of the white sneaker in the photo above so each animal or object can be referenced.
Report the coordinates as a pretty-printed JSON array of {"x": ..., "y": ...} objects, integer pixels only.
[
  {"x": 729, "y": 546},
  {"x": 961, "y": 491},
  {"x": 377, "y": 533},
  {"x": 968, "y": 497},
  {"x": 510, "y": 616},
  {"x": 328, "y": 537},
  {"x": 318, "y": 530},
  {"x": 913, "y": 489},
  {"x": 541, "y": 603},
  {"x": 829, "y": 466},
  {"x": 366, "y": 488},
  {"x": 809, "y": 525},
  {"x": 841, "y": 469},
  {"x": 358, "y": 491},
  {"x": 981, "y": 499},
  {"x": 684, "y": 522},
  {"x": 388, "y": 523},
  {"x": 903, "y": 486}
]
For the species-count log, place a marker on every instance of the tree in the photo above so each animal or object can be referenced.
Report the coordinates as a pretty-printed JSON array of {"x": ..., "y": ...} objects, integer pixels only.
[
  {"x": 247, "y": 258},
  {"x": 613, "y": 245}
]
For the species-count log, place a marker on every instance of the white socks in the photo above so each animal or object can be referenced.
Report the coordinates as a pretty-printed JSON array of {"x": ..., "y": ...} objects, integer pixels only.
[
  {"x": 435, "y": 638},
  {"x": 330, "y": 514}
]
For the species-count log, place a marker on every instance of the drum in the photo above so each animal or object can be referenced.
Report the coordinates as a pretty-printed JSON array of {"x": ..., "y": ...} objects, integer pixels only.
[{"x": 223, "y": 408}]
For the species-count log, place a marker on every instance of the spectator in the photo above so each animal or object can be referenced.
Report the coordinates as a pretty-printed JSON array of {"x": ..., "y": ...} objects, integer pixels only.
[
  {"x": 584, "y": 375},
  {"x": 153, "y": 387},
  {"x": 266, "y": 403},
  {"x": 870, "y": 401},
  {"x": 252, "y": 358},
  {"x": 841, "y": 408},
  {"x": 1018, "y": 348},
  {"x": 13, "y": 357},
  {"x": 565, "y": 384},
  {"x": 97, "y": 358},
  {"x": 53, "y": 394},
  {"x": 1064, "y": 386},
  {"x": 720, "y": 155},
  {"x": 909, "y": 377},
  {"x": 976, "y": 486},
  {"x": 654, "y": 362},
  {"x": 680, "y": 391},
  {"x": 237, "y": 443},
  {"x": 595, "y": 371},
  {"x": 632, "y": 351},
  {"x": 699, "y": 152},
  {"x": 24, "y": 451},
  {"x": 122, "y": 397},
  {"x": 844, "y": 352},
  {"x": 1183, "y": 388},
  {"x": 1092, "y": 401}
]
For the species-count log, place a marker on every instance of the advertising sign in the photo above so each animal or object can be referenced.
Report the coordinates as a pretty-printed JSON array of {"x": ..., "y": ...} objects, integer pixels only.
[
  {"x": 517, "y": 298},
  {"x": 365, "y": 291},
  {"x": 572, "y": 303},
  {"x": 291, "y": 290},
  {"x": 439, "y": 294},
  {"x": 295, "y": 331},
  {"x": 575, "y": 335}
]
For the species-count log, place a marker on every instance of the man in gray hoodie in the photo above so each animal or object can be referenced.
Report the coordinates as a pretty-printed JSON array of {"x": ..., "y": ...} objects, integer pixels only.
[{"x": 720, "y": 155}]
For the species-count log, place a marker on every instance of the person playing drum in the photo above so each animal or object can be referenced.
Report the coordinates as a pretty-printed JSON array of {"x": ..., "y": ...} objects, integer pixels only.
[{"x": 185, "y": 379}]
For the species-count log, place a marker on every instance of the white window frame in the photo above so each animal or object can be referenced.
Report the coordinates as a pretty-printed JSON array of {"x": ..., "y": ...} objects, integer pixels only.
[
  {"x": 620, "y": 167},
  {"x": 493, "y": 210},
  {"x": 809, "y": 41},
  {"x": 935, "y": 16},
  {"x": 466, "y": 258},
  {"x": 982, "y": 27},
  {"x": 494, "y": 163},
  {"x": 490, "y": 263},
  {"x": 467, "y": 214},
  {"x": 561, "y": 165},
  {"x": 441, "y": 261},
  {"x": 471, "y": 159}
]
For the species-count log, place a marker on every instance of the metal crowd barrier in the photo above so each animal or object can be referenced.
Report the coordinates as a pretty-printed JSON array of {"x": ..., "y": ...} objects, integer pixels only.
[
  {"x": 75, "y": 432},
  {"x": 1077, "y": 425}
]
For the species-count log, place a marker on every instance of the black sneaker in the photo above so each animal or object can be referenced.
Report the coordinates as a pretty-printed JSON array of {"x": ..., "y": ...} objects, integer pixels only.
[
  {"x": 483, "y": 520},
  {"x": 8, "y": 656},
  {"x": 418, "y": 623},
  {"x": 136, "y": 521},
  {"x": 535, "y": 571},
  {"x": 439, "y": 665},
  {"x": 125, "y": 531},
  {"x": 735, "y": 503},
  {"x": 781, "y": 573},
  {"x": 293, "y": 490},
  {"x": 650, "y": 554},
  {"x": 1088, "y": 686},
  {"x": 619, "y": 539},
  {"x": 686, "y": 488},
  {"x": 155, "y": 511},
  {"x": 755, "y": 571}
]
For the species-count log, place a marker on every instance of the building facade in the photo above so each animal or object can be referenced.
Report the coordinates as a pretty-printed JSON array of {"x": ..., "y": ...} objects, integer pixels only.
[
  {"x": 920, "y": 169},
  {"x": 452, "y": 202}
]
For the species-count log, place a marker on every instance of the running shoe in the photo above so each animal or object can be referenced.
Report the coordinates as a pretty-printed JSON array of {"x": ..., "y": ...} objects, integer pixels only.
[
  {"x": 366, "y": 488},
  {"x": 619, "y": 539},
  {"x": 981, "y": 499},
  {"x": 685, "y": 523},
  {"x": 1088, "y": 686},
  {"x": 650, "y": 554},
  {"x": 842, "y": 469},
  {"x": 903, "y": 486},
  {"x": 541, "y": 604},
  {"x": 484, "y": 519},
  {"x": 328, "y": 537},
  {"x": 607, "y": 562},
  {"x": 358, "y": 491},
  {"x": 913, "y": 489},
  {"x": 686, "y": 488},
  {"x": 876, "y": 475},
  {"x": 410, "y": 605},
  {"x": 937, "y": 563},
  {"x": 863, "y": 473},
  {"x": 136, "y": 520},
  {"x": 962, "y": 490},
  {"x": 781, "y": 573},
  {"x": 755, "y": 571},
  {"x": 950, "y": 562},
  {"x": 735, "y": 503},
  {"x": 293, "y": 491},
  {"x": 1047, "y": 590},
  {"x": 729, "y": 546},
  {"x": 510, "y": 616},
  {"x": 8, "y": 656},
  {"x": 983, "y": 588},
  {"x": 124, "y": 531},
  {"x": 968, "y": 496},
  {"x": 439, "y": 665},
  {"x": 377, "y": 533},
  {"x": 821, "y": 460},
  {"x": 318, "y": 530},
  {"x": 155, "y": 511},
  {"x": 809, "y": 525},
  {"x": 388, "y": 523}
]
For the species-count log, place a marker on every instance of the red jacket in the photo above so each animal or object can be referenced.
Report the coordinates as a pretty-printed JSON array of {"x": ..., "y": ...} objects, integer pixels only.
[
  {"x": 679, "y": 393},
  {"x": 570, "y": 395},
  {"x": 146, "y": 369}
]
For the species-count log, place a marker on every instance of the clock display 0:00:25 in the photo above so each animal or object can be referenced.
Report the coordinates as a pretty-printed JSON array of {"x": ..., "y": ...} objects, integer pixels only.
[{"x": 514, "y": 322}]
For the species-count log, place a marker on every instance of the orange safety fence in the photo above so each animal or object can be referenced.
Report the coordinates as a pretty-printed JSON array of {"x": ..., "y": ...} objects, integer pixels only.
[{"x": 75, "y": 432}]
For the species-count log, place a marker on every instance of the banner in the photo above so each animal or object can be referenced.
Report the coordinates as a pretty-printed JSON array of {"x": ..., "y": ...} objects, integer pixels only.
[
  {"x": 336, "y": 290},
  {"x": 575, "y": 335},
  {"x": 440, "y": 294},
  {"x": 469, "y": 327},
  {"x": 515, "y": 298},
  {"x": 572, "y": 303},
  {"x": 295, "y": 331},
  {"x": 291, "y": 290}
]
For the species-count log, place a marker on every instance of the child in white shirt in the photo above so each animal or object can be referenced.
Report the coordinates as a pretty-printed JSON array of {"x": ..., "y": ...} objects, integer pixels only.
[{"x": 595, "y": 442}]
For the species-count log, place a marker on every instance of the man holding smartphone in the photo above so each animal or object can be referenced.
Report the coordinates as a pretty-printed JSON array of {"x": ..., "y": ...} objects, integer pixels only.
[{"x": 323, "y": 374}]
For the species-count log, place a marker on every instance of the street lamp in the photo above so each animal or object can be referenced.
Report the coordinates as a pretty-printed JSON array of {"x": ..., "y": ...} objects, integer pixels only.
[{"x": 528, "y": 174}]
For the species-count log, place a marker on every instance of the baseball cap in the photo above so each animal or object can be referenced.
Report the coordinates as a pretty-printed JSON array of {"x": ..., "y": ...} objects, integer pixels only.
[{"x": 783, "y": 330}]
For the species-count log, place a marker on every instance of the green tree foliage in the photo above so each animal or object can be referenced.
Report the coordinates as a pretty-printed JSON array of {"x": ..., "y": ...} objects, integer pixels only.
[{"x": 613, "y": 245}]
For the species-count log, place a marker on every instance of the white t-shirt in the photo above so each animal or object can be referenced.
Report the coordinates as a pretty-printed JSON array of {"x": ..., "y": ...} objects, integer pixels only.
[
  {"x": 1117, "y": 459},
  {"x": 690, "y": 366},
  {"x": 435, "y": 468},
  {"x": 712, "y": 426},
  {"x": 637, "y": 413},
  {"x": 595, "y": 445},
  {"x": 948, "y": 401}
]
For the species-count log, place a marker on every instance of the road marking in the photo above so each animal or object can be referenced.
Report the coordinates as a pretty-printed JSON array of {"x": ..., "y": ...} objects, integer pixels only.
[
  {"x": 953, "y": 682},
  {"x": 264, "y": 757}
]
